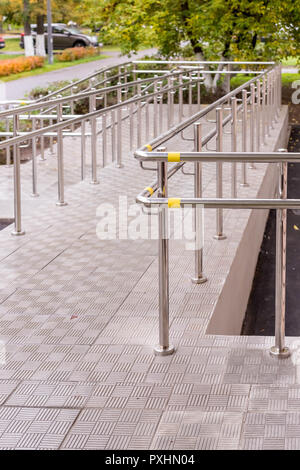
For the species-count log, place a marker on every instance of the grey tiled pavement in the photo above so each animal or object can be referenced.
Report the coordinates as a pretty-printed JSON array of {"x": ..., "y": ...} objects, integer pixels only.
[{"x": 79, "y": 318}]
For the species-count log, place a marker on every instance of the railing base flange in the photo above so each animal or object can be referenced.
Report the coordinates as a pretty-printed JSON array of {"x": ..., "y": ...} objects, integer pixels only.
[
  {"x": 198, "y": 280},
  {"x": 162, "y": 351},
  {"x": 283, "y": 353},
  {"x": 219, "y": 237},
  {"x": 61, "y": 203},
  {"x": 17, "y": 234},
  {"x": 244, "y": 185},
  {"x": 94, "y": 182},
  {"x": 34, "y": 195}
]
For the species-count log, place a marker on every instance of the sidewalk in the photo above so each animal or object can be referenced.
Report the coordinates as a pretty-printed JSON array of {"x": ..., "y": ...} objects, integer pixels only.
[{"x": 17, "y": 89}]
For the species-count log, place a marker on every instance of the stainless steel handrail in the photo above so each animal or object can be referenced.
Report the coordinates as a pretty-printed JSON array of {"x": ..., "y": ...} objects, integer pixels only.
[
  {"x": 267, "y": 98},
  {"x": 78, "y": 96},
  {"x": 82, "y": 80},
  {"x": 263, "y": 102}
]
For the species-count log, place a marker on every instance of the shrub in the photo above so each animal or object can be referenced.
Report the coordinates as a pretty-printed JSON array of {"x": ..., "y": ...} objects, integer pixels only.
[
  {"x": 77, "y": 53},
  {"x": 20, "y": 64}
]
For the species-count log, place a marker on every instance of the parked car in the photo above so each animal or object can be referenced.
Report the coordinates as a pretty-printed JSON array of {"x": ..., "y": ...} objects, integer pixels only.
[
  {"x": 64, "y": 37},
  {"x": 2, "y": 42}
]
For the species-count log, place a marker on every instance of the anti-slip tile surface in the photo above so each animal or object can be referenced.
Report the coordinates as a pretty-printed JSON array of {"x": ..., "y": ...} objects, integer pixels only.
[{"x": 79, "y": 318}]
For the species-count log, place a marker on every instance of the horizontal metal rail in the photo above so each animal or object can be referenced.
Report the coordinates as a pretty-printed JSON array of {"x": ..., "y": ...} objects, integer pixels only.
[
  {"x": 215, "y": 203},
  {"x": 79, "y": 96},
  {"x": 263, "y": 100},
  {"x": 77, "y": 120},
  {"x": 213, "y": 62},
  {"x": 187, "y": 122},
  {"x": 82, "y": 80},
  {"x": 261, "y": 157}
]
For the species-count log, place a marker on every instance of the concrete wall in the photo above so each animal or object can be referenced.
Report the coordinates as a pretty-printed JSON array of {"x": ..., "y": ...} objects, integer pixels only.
[{"x": 229, "y": 312}]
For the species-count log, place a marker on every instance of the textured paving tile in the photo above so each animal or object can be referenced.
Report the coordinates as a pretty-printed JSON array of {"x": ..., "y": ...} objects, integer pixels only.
[
  {"x": 78, "y": 317},
  {"x": 34, "y": 428}
]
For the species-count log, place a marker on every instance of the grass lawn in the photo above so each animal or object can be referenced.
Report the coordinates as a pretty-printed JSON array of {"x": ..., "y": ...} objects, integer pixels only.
[
  {"x": 290, "y": 62},
  {"x": 287, "y": 79},
  {"x": 48, "y": 68},
  {"x": 9, "y": 56},
  {"x": 12, "y": 45},
  {"x": 110, "y": 49}
]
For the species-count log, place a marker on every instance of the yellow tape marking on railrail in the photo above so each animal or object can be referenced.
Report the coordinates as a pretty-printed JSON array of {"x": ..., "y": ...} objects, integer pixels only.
[
  {"x": 173, "y": 157},
  {"x": 150, "y": 190},
  {"x": 148, "y": 147},
  {"x": 174, "y": 202}
]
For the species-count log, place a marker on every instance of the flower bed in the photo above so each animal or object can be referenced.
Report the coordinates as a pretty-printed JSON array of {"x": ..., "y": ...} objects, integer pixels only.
[
  {"x": 20, "y": 64},
  {"x": 76, "y": 53}
]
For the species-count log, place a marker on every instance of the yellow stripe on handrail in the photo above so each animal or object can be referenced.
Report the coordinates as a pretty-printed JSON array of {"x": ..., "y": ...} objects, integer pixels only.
[
  {"x": 173, "y": 157},
  {"x": 150, "y": 190},
  {"x": 174, "y": 202}
]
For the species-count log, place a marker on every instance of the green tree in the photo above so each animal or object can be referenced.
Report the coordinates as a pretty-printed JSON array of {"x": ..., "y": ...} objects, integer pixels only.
[{"x": 239, "y": 29}]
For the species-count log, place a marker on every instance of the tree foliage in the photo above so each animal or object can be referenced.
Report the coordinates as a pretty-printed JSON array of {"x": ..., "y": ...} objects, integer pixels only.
[
  {"x": 241, "y": 29},
  {"x": 237, "y": 29}
]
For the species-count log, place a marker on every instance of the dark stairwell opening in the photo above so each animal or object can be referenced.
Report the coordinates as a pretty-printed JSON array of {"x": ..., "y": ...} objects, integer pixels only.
[{"x": 260, "y": 313}]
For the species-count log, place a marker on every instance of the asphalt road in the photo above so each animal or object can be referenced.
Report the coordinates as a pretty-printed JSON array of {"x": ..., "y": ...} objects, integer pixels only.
[{"x": 17, "y": 89}]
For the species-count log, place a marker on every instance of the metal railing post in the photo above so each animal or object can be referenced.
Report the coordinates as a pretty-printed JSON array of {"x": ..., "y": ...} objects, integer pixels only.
[
  {"x": 131, "y": 125},
  {"x": 60, "y": 161},
  {"x": 163, "y": 348},
  {"x": 139, "y": 117},
  {"x": 113, "y": 136},
  {"x": 73, "y": 90},
  {"x": 190, "y": 94},
  {"x": 227, "y": 78},
  {"x": 279, "y": 89},
  {"x": 244, "y": 136},
  {"x": 171, "y": 108},
  {"x": 147, "y": 117},
  {"x": 280, "y": 350},
  {"x": 105, "y": 94},
  {"x": 17, "y": 182},
  {"x": 180, "y": 98},
  {"x": 155, "y": 109},
  {"x": 270, "y": 102},
  {"x": 93, "y": 124},
  {"x": 234, "y": 123},
  {"x": 252, "y": 120},
  {"x": 219, "y": 174},
  {"x": 125, "y": 82},
  {"x": 275, "y": 100},
  {"x": 34, "y": 169},
  {"x": 169, "y": 103},
  {"x": 7, "y": 148},
  {"x": 83, "y": 150},
  {"x": 198, "y": 90},
  {"x": 51, "y": 139},
  {"x": 42, "y": 143},
  {"x": 199, "y": 278},
  {"x": 161, "y": 99},
  {"x": 258, "y": 115},
  {"x": 104, "y": 140},
  {"x": 267, "y": 115},
  {"x": 263, "y": 110},
  {"x": 119, "y": 131}
]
